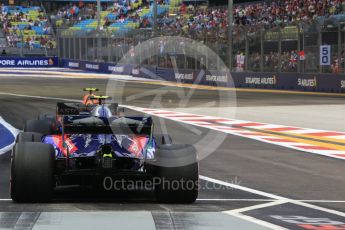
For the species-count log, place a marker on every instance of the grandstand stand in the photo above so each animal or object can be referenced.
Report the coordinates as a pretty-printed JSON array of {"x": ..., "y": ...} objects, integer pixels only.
[
  {"x": 119, "y": 18},
  {"x": 269, "y": 14},
  {"x": 26, "y": 27},
  {"x": 3, "y": 41}
]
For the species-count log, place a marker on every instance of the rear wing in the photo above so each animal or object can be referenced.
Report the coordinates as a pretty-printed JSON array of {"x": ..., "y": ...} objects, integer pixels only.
[
  {"x": 100, "y": 125},
  {"x": 76, "y": 109},
  {"x": 90, "y": 90},
  {"x": 70, "y": 108}
]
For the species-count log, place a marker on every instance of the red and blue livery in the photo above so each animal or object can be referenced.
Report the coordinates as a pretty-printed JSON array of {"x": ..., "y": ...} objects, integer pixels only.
[{"x": 85, "y": 144}]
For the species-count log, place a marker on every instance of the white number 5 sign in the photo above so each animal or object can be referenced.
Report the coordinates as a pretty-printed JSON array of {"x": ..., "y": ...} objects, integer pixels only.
[{"x": 325, "y": 55}]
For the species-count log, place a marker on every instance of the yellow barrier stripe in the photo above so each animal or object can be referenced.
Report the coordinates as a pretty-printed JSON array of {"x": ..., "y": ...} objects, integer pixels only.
[
  {"x": 301, "y": 140},
  {"x": 334, "y": 140}
]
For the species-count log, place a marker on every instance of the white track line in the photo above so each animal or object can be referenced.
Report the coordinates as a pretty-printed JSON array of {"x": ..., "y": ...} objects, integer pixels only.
[
  {"x": 322, "y": 201},
  {"x": 239, "y": 187},
  {"x": 269, "y": 200},
  {"x": 255, "y": 207},
  {"x": 270, "y": 195},
  {"x": 114, "y": 77},
  {"x": 257, "y": 221},
  {"x": 39, "y": 97},
  {"x": 61, "y": 73},
  {"x": 73, "y": 75},
  {"x": 239, "y": 214},
  {"x": 250, "y": 200}
]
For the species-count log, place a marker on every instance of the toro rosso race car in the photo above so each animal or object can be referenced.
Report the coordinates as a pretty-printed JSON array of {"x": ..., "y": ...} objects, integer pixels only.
[
  {"x": 92, "y": 146},
  {"x": 87, "y": 100}
]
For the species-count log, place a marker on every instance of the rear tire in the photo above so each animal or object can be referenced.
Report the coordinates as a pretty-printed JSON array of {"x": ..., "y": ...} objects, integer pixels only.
[
  {"x": 39, "y": 126},
  {"x": 179, "y": 183},
  {"x": 32, "y": 172}
]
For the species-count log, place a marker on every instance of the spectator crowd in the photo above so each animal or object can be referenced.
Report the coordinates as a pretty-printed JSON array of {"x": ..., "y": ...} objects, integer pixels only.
[
  {"x": 118, "y": 11},
  {"x": 20, "y": 27},
  {"x": 191, "y": 19}
]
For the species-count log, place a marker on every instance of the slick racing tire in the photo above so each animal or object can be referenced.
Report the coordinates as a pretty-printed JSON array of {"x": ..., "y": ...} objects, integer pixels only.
[
  {"x": 32, "y": 172},
  {"x": 176, "y": 184},
  {"x": 29, "y": 137},
  {"x": 39, "y": 126}
]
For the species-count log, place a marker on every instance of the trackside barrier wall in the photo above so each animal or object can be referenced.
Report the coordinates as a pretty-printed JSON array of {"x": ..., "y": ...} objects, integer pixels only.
[
  {"x": 97, "y": 67},
  {"x": 281, "y": 81},
  {"x": 32, "y": 62}
]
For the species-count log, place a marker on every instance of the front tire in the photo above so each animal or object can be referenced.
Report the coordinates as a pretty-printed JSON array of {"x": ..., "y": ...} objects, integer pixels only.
[{"x": 32, "y": 172}]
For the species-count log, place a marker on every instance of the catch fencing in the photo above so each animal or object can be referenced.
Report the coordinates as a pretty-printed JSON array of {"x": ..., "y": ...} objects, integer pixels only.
[{"x": 288, "y": 49}]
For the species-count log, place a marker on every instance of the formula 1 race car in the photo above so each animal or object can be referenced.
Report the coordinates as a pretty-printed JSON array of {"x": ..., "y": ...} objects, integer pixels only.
[
  {"x": 94, "y": 148},
  {"x": 87, "y": 100},
  {"x": 90, "y": 100},
  {"x": 53, "y": 122}
]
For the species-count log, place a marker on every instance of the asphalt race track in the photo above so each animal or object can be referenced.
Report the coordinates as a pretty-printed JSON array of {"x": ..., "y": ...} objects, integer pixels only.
[{"x": 278, "y": 186}]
